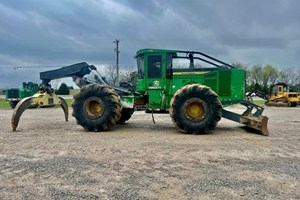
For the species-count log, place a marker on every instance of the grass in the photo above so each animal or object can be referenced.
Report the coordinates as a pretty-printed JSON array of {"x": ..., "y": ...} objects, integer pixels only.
[
  {"x": 74, "y": 91},
  {"x": 259, "y": 102},
  {"x": 4, "y": 104},
  {"x": 69, "y": 102}
]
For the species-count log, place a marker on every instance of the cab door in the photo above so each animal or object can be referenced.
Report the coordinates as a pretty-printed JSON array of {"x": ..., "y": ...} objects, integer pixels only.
[{"x": 155, "y": 79}]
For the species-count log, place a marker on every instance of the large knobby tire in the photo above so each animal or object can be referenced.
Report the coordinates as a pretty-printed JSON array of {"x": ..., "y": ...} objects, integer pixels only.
[
  {"x": 195, "y": 109},
  {"x": 96, "y": 107},
  {"x": 125, "y": 115}
]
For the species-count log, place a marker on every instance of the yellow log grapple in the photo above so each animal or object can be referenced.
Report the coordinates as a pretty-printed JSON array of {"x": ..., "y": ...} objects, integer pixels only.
[{"x": 42, "y": 99}]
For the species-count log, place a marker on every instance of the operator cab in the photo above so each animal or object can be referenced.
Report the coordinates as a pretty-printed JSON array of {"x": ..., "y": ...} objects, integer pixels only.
[{"x": 158, "y": 61}]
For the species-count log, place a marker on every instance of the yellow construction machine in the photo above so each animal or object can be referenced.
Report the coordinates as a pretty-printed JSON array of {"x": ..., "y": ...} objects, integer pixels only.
[{"x": 281, "y": 95}]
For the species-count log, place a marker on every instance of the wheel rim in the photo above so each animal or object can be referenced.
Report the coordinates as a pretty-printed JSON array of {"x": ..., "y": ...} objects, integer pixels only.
[
  {"x": 195, "y": 109},
  {"x": 94, "y": 107}
]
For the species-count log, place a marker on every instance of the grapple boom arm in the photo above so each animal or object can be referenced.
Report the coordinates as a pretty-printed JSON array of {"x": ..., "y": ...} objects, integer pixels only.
[{"x": 79, "y": 69}]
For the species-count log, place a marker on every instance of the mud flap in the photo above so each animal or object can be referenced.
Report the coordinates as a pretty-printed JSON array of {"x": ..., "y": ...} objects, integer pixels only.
[{"x": 253, "y": 120}]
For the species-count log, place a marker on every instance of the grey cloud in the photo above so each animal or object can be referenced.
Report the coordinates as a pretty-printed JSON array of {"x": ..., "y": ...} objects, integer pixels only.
[{"x": 61, "y": 32}]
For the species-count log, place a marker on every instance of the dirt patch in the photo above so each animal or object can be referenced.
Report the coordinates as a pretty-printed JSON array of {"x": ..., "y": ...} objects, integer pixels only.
[{"x": 48, "y": 158}]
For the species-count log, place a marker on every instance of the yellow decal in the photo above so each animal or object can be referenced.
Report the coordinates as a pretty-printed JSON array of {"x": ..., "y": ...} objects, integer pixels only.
[{"x": 188, "y": 73}]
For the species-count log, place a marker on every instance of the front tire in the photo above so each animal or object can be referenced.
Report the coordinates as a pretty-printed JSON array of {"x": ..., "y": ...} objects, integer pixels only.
[
  {"x": 96, "y": 107},
  {"x": 125, "y": 115},
  {"x": 195, "y": 109}
]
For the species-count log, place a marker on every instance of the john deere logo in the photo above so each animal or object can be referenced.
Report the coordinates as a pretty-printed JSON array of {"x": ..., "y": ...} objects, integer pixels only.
[{"x": 156, "y": 83}]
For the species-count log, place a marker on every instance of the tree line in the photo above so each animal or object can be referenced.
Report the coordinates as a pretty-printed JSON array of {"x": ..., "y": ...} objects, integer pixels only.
[{"x": 259, "y": 77}]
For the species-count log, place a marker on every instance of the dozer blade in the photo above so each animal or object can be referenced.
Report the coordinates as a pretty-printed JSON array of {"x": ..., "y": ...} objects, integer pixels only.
[
  {"x": 253, "y": 120},
  {"x": 258, "y": 123},
  {"x": 19, "y": 109}
]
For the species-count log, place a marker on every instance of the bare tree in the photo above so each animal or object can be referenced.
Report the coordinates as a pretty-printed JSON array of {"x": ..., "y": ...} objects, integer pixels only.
[
  {"x": 290, "y": 76},
  {"x": 297, "y": 72},
  {"x": 111, "y": 74},
  {"x": 293, "y": 76},
  {"x": 126, "y": 74},
  {"x": 283, "y": 76},
  {"x": 240, "y": 65}
]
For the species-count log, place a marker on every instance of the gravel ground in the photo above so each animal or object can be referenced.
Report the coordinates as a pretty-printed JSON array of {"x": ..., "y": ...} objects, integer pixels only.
[{"x": 48, "y": 158}]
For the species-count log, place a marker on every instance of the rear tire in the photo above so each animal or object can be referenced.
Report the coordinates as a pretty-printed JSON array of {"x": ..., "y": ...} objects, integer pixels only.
[
  {"x": 96, "y": 107},
  {"x": 195, "y": 109}
]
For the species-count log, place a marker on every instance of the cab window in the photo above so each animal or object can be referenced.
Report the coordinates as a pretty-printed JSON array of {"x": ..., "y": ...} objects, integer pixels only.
[
  {"x": 154, "y": 66},
  {"x": 140, "y": 66}
]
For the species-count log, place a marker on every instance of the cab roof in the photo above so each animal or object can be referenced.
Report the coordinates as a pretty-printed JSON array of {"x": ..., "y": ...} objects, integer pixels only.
[{"x": 149, "y": 50}]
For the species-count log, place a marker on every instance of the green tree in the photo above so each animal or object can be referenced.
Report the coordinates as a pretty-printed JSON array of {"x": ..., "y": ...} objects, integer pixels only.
[
  {"x": 270, "y": 75},
  {"x": 63, "y": 90},
  {"x": 255, "y": 82}
]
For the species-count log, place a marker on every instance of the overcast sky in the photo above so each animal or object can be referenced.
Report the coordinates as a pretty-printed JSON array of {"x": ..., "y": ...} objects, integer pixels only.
[{"x": 39, "y": 33}]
